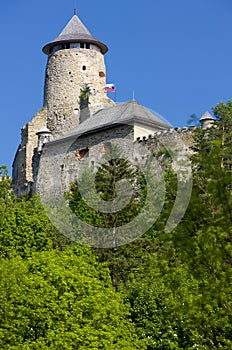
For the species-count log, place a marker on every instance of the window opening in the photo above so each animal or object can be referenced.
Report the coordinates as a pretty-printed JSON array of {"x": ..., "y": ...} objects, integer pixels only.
[{"x": 82, "y": 153}]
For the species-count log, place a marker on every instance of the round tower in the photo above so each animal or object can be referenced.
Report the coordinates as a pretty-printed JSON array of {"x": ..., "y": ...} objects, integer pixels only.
[
  {"x": 207, "y": 120},
  {"x": 44, "y": 136},
  {"x": 75, "y": 78}
]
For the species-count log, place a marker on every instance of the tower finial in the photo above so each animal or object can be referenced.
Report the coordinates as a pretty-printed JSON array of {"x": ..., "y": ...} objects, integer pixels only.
[{"x": 75, "y": 11}]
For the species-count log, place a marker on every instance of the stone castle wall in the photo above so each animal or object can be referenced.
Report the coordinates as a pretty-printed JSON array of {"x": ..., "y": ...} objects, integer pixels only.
[
  {"x": 63, "y": 161},
  {"x": 67, "y": 73},
  {"x": 22, "y": 166},
  {"x": 185, "y": 135}
]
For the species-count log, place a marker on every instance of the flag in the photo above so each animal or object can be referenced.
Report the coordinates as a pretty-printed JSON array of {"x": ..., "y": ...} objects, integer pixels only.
[{"x": 110, "y": 87}]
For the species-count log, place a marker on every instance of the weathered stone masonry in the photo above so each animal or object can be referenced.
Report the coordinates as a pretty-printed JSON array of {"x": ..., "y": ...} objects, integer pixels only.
[
  {"x": 75, "y": 60},
  {"x": 60, "y": 164},
  {"x": 67, "y": 73},
  {"x": 78, "y": 119}
]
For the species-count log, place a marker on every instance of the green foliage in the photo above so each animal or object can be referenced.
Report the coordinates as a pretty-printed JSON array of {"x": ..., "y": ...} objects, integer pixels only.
[
  {"x": 61, "y": 300},
  {"x": 84, "y": 96},
  {"x": 52, "y": 296},
  {"x": 173, "y": 289},
  {"x": 114, "y": 169},
  {"x": 5, "y": 184},
  {"x": 208, "y": 218},
  {"x": 193, "y": 120},
  {"x": 25, "y": 228},
  {"x": 203, "y": 239},
  {"x": 179, "y": 284}
]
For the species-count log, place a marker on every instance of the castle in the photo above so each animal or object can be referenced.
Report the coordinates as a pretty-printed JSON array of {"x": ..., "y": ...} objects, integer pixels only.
[{"x": 78, "y": 120}]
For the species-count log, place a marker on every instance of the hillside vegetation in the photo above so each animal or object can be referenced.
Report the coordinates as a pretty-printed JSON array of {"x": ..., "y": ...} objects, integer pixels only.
[{"x": 163, "y": 291}]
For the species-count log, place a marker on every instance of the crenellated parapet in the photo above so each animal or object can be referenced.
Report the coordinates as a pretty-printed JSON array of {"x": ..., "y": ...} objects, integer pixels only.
[{"x": 185, "y": 133}]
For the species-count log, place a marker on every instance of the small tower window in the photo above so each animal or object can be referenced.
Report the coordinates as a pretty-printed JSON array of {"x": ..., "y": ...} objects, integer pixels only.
[
  {"x": 65, "y": 46},
  {"x": 85, "y": 45},
  {"x": 102, "y": 74},
  {"x": 74, "y": 45},
  {"x": 83, "y": 67}
]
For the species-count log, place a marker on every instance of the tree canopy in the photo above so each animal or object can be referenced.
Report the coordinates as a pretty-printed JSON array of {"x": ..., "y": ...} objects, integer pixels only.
[{"x": 163, "y": 291}]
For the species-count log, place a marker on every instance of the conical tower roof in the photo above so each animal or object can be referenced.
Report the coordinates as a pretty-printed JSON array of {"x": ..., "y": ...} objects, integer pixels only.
[
  {"x": 75, "y": 31},
  {"x": 44, "y": 130},
  {"x": 207, "y": 116}
]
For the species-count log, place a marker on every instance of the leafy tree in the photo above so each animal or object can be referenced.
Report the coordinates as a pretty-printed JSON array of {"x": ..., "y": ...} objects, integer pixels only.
[
  {"x": 193, "y": 120},
  {"x": 110, "y": 172},
  {"x": 53, "y": 299},
  {"x": 203, "y": 239},
  {"x": 24, "y": 225},
  {"x": 178, "y": 284},
  {"x": 5, "y": 183},
  {"x": 61, "y": 300},
  {"x": 111, "y": 204},
  {"x": 25, "y": 228},
  {"x": 208, "y": 218}
]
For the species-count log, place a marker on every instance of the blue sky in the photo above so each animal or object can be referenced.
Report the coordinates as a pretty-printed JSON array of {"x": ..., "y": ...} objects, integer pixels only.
[{"x": 175, "y": 55}]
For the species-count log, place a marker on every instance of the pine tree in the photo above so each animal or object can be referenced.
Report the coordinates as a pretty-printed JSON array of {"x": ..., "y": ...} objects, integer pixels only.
[{"x": 114, "y": 171}]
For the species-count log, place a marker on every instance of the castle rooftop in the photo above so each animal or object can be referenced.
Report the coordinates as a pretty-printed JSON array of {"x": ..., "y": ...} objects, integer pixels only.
[
  {"x": 75, "y": 31},
  {"x": 124, "y": 113},
  {"x": 207, "y": 116}
]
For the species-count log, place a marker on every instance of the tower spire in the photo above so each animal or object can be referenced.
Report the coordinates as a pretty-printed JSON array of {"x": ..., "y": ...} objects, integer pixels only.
[{"x": 74, "y": 32}]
